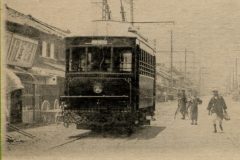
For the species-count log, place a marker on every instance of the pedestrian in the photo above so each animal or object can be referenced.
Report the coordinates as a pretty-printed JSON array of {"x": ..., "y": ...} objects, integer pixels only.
[
  {"x": 193, "y": 104},
  {"x": 165, "y": 96},
  {"x": 189, "y": 98},
  {"x": 182, "y": 104},
  {"x": 217, "y": 107},
  {"x": 178, "y": 107}
]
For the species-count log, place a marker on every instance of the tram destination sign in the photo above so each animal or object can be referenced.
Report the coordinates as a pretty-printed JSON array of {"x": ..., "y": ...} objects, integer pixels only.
[
  {"x": 115, "y": 41},
  {"x": 99, "y": 42}
]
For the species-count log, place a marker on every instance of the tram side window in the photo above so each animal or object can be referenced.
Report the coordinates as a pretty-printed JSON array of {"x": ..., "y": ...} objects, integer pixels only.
[
  {"x": 147, "y": 58},
  {"x": 151, "y": 60},
  {"x": 143, "y": 56},
  {"x": 147, "y": 62}
]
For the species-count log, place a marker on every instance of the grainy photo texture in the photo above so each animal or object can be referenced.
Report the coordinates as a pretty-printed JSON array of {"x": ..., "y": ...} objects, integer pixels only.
[{"x": 120, "y": 79}]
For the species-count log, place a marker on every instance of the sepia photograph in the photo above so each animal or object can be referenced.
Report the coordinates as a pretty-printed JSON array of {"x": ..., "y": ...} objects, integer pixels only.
[{"x": 120, "y": 79}]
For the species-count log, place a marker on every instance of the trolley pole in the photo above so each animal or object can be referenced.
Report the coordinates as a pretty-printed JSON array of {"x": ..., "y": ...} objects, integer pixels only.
[
  {"x": 132, "y": 11},
  {"x": 106, "y": 13},
  {"x": 104, "y": 2}
]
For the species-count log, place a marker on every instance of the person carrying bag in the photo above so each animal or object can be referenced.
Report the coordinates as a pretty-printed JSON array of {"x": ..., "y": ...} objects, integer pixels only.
[{"x": 217, "y": 109}]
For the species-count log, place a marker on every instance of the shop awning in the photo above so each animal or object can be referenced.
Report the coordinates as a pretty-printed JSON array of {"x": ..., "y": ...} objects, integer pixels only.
[{"x": 13, "y": 82}]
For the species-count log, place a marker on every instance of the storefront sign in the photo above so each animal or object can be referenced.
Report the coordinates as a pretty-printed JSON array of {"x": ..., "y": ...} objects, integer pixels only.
[
  {"x": 8, "y": 38},
  {"x": 20, "y": 50}
]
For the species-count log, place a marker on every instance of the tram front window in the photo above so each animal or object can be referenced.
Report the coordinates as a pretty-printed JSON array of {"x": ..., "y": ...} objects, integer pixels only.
[{"x": 105, "y": 59}]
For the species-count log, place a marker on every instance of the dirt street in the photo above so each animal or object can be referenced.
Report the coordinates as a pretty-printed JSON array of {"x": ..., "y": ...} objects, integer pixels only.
[{"x": 165, "y": 139}]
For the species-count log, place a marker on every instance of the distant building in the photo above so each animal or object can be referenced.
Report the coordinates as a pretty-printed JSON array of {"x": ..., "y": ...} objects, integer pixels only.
[
  {"x": 35, "y": 66},
  {"x": 163, "y": 82},
  {"x": 171, "y": 85}
]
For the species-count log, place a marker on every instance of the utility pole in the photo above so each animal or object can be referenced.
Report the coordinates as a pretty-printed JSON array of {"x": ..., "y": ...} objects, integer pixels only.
[
  {"x": 171, "y": 59},
  {"x": 155, "y": 44},
  {"x": 202, "y": 76},
  {"x": 200, "y": 81},
  {"x": 236, "y": 72},
  {"x": 185, "y": 65},
  {"x": 233, "y": 78}
]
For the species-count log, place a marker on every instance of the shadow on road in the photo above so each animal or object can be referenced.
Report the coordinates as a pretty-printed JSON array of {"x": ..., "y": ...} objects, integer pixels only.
[
  {"x": 141, "y": 133},
  {"x": 146, "y": 132}
]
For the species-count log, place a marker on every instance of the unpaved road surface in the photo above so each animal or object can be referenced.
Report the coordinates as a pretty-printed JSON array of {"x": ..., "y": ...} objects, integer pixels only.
[{"x": 165, "y": 139}]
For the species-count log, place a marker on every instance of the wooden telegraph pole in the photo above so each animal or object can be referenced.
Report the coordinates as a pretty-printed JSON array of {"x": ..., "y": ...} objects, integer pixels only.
[
  {"x": 185, "y": 65},
  {"x": 171, "y": 61},
  {"x": 236, "y": 72}
]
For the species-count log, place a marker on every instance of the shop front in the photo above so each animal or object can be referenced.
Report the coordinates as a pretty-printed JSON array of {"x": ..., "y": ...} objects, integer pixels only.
[
  {"x": 28, "y": 45},
  {"x": 37, "y": 94},
  {"x": 13, "y": 110}
]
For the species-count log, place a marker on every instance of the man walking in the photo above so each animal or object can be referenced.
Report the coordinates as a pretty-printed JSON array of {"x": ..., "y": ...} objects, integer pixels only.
[
  {"x": 193, "y": 103},
  {"x": 182, "y": 104},
  {"x": 165, "y": 96},
  {"x": 217, "y": 107}
]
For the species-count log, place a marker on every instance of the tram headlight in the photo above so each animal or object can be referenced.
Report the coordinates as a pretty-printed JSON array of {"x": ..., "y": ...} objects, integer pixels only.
[{"x": 97, "y": 88}]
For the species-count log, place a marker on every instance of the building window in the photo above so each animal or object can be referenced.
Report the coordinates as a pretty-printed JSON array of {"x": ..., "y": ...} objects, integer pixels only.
[
  {"x": 44, "y": 49},
  {"x": 48, "y": 50},
  {"x": 52, "y": 50}
]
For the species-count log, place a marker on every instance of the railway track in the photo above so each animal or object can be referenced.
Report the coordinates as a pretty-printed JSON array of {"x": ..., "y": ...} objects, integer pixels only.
[
  {"x": 20, "y": 131},
  {"x": 87, "y": 134},
  {"x": 83, "y": 135}
]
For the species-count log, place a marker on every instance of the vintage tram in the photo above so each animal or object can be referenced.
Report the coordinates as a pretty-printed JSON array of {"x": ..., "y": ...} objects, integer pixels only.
[{"x": 110, "y": 81}]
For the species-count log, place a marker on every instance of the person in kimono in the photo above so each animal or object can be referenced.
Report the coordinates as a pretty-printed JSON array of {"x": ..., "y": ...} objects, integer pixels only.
[
  {"x": 193, "y": 104},
  {"x": 182, "y": 104},
  {"x": 216, "y": 108}
]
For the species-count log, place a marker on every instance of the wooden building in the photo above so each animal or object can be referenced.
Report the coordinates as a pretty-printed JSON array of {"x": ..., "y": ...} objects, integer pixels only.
[{"x": 35, "y": 64}]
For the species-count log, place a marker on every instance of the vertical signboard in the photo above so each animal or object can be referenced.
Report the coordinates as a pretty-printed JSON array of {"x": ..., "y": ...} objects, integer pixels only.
[
  {"x": 8, "y": 38},
  {"x": 20, "y": 50}
]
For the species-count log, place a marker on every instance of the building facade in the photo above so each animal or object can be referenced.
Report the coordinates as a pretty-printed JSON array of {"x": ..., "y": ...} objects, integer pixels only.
[
  {"x": 170, "y": 84},
  {"x": 35, "y": 65}
]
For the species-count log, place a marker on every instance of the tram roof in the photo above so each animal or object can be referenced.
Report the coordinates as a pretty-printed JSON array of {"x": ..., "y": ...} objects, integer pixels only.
[
  {"x": 109, "y": 29},
  {"x": 104, "y": 28}
]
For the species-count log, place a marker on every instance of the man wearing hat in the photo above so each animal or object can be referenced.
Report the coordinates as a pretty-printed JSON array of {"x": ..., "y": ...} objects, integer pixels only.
[{"x": 216, "y": 108}]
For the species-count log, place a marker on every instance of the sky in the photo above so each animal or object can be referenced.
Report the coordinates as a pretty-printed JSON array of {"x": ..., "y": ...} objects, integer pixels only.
[{"x": 209, "y": 28}]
